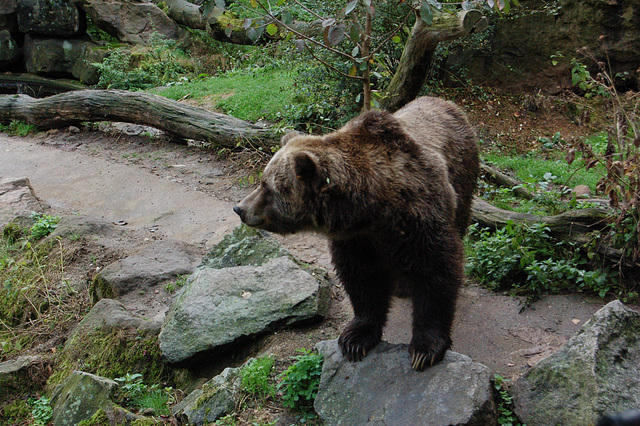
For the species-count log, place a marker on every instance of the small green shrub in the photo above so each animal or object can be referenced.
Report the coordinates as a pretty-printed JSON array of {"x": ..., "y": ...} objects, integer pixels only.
[
  {"x": 135, "y": 394},
  {"x": 504, "y": 401},
  {"x": 44, "y": 225},
  {"x": 525, "y": 259},
  {"x": 18, "y": 128},
  {"x": 41, "y": 411},
  {"x": 255, "y": 377},
  {"x": 157, "y": 66},
  {"x": 300, "y": 382}
]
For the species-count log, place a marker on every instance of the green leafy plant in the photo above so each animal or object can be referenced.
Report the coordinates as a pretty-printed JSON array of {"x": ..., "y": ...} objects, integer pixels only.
[
  {"x": 134, "y": 393},
  {"x": 42, "y": 412},
  {"x": 255, "y": 377},
  {"x": 525, "y": 259},
  {"x": 44, "y": 225},
  {"x": 158, "y": 65},
  {"x": 300, "y": 382},
  {"x": 18, "y": 128},
  {"x": 504, "y": 401},
  {"x": 620, "y": 159}
]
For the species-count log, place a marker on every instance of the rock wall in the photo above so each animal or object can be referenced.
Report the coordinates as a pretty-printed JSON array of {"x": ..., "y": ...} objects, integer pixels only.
[
  {"x": 516, "y": 51},
  {"x": 49, "y": 38}
]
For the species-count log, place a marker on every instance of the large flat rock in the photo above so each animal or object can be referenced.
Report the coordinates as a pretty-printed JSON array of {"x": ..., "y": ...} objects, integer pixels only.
[{"x": 382, "y": 389}]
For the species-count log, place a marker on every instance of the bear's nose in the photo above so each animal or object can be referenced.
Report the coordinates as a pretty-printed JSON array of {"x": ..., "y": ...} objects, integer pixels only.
[{"x": 238, "y": 210}]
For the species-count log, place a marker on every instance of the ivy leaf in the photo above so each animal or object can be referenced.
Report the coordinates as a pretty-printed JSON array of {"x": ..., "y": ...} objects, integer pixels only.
[
  {"x": 272, "y": 29},
  {"x": 350, "y": 6},
  {"x": 220, "y": 4},
  {"x": 247, "y": 23},
  {"x": 328, "y": 22},
  {"x": 281, "y": 2},
  {"x": 253, "y": 34},
  {"x": 287, "y": 18},
  {"x": 355, "y": 51},
  {"x": 336, "y": 34},
  {"x": 435, "y": 4},
  {"x": 353, "y": 71},
  {"x": 396, "y": 39},
  {"x": 228, "y": 30},
  {"x": 300, "y": 45},
  {"x": 426, "y": 14},
  {"x": 354, "y": 33}
]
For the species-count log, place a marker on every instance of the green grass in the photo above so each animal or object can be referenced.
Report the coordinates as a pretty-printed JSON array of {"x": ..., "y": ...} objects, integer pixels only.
[
  {"x": 248, "y": 95},
  {"x": 532, "y": 169}
]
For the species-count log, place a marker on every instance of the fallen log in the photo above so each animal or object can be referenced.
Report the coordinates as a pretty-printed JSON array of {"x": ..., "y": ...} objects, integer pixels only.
[
  {"x": 177, "y": 119},
  {"x": 572, "y": 226},
  {"x": 568, "y": 224},
  {"x": 496, "y": 177}
]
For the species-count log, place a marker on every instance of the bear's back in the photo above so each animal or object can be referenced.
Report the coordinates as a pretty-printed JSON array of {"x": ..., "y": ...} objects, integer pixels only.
[{"x": 439, "y": 126}]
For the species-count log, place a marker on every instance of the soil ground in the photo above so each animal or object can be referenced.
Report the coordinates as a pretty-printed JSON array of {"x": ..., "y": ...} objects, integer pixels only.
[{"x": 187, "y": 193}]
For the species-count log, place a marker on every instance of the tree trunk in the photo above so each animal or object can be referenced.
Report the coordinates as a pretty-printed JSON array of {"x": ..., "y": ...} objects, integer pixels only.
[
  {"x": 418, "y": 52},
  {"x": 496, "y": 177},
  {"x": 179, "y": 120},
  {"x": 184, "y": 13},
  {"x": 564, "y": 225}
]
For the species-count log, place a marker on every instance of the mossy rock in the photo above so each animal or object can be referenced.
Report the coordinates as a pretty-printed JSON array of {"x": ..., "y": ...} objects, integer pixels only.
[
  {"x": 13, "y": 412},
  {"x": 244, "y": 247},
  {"x": 98, "y": 419},
  {"x": 111, "y": 342}
]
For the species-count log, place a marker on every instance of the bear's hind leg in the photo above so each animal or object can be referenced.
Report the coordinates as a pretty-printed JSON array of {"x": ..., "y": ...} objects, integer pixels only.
[{"x": 368, "y": 284}]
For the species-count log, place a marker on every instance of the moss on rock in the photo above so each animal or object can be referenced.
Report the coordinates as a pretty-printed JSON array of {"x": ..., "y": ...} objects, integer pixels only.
[{"x": 111, "y": 352}]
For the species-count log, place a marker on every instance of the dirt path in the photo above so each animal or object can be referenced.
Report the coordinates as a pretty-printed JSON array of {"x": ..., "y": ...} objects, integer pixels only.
[{"x": 187, "y": 193}]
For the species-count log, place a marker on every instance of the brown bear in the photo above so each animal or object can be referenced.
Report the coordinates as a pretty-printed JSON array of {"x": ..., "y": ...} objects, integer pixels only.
[{"x": 392, "y": 192}]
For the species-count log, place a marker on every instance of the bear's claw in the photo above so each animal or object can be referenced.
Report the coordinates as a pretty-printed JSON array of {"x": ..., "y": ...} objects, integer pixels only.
[
  {"x": 358, "y": 339},
  {"x": 423, "y": 356}
]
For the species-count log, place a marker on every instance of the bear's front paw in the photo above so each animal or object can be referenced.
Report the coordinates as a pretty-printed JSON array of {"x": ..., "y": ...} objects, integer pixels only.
[
  {"x": 427, "y": 350},
  {"x": 359, "y": 338}
]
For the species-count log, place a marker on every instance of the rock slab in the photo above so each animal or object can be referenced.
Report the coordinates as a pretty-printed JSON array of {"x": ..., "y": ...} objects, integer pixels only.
[
  {"x": 161, "y": 261},
  {"x": 215, "y": 399},
  {"x": 218, "y": 307},
  {"x": 595, "y": 373},
  {"x": 80, "y": 396},
  {"x": 382, "y": 389}
]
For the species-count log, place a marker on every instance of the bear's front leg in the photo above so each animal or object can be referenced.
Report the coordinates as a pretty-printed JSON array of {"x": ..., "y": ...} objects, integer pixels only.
[
  {"x": 368, "y": 284},
  {"x": 436, "y": 282}
]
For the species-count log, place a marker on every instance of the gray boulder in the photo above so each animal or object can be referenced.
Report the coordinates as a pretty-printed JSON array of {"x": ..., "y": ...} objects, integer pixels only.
[
  {"x": 59, "y": 18},
  {"x": 132, "y": 21},
  {"x": 215, "y": 399},
  {"x": 22, "y": 373},
  {"x": 383, "y": 389},
  {"x": 17, "y": 197},
  {"x": 9, "y": 51},
  {"x": 51, "y": 56},
  {"x": 84, "y": 68},
  {"x": 244, "y": 247},
  {"x": 218, "y": 307},
  {"x": 80, "y": 397},
  {"x": 161, "y": 261},
  {"x": 595, "y": 373},
  {"x": 108, "y": 314}
]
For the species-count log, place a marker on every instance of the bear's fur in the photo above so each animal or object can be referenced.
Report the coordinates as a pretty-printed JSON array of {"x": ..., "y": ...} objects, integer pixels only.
[{"x": 393, "y": 195}]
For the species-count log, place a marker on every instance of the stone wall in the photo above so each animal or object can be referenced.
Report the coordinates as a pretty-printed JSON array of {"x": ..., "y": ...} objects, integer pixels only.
[
  {"x": 49, "y": 38},
  {"x": 516, "y": 51}
]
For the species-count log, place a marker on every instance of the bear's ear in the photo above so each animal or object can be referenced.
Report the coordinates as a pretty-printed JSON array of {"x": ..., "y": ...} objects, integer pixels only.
[
  {"x": 286, "y": 138},
  {"x": 306, "y": 167}
]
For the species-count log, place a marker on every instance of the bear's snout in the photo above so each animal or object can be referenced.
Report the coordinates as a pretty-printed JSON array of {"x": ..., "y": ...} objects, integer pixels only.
[{"x": 238, "y": 211}]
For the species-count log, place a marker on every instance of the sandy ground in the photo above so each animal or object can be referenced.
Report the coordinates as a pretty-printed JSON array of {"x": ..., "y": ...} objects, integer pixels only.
[{"x": 187, "y": 193}]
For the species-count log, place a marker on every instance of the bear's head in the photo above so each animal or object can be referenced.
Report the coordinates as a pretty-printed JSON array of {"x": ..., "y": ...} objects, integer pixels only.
[{"x": 287, "y": 199}]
